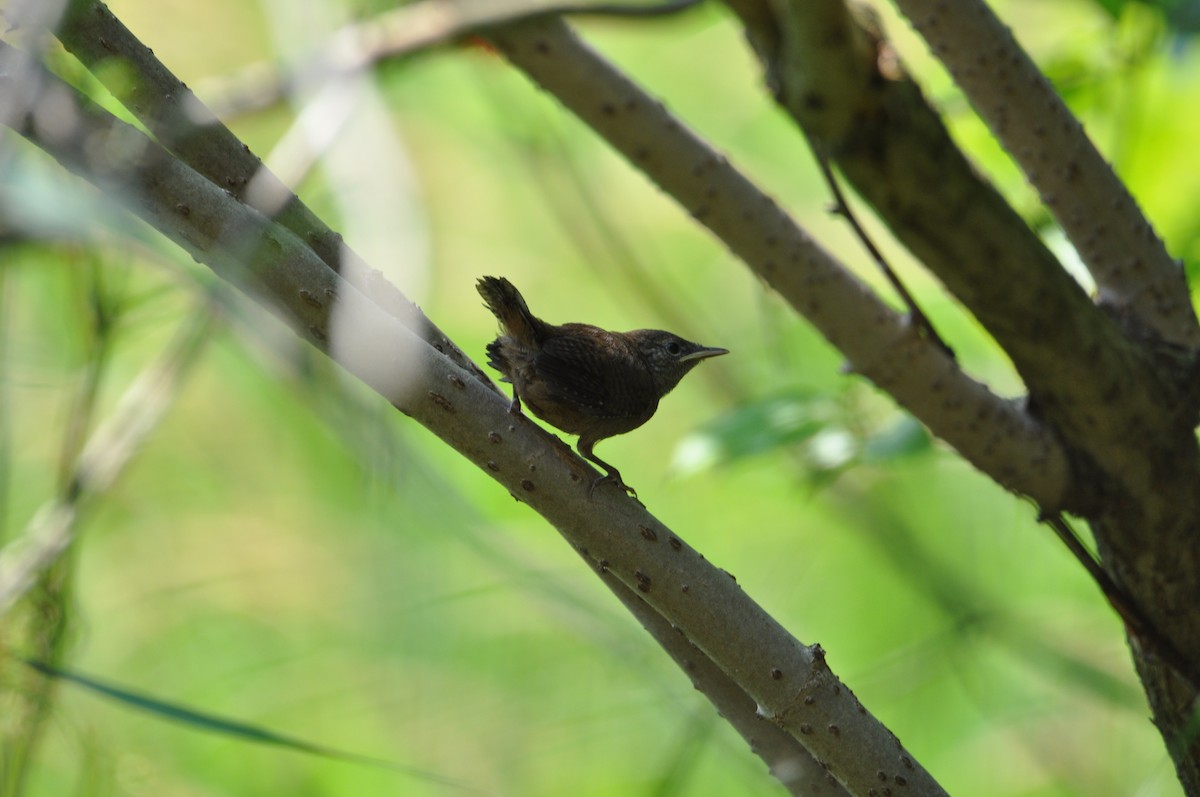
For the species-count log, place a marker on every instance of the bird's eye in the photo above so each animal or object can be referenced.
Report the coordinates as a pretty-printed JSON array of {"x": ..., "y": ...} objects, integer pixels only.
[{"x": 674, "y": 349}]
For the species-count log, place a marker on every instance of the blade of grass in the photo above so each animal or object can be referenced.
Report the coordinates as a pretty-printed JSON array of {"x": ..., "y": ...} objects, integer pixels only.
[{"x": 213, "y": 723}]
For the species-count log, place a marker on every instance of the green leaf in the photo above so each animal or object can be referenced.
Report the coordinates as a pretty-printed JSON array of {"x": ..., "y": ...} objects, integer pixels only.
[
  {"x": 905, "y": 438},
  {"x": 755, "y": 428}
]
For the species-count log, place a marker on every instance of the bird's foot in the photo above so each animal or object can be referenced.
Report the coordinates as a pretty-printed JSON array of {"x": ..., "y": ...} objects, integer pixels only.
[
  {"x": 515, "y": 407},
  {"x": 612, "y": 478}
]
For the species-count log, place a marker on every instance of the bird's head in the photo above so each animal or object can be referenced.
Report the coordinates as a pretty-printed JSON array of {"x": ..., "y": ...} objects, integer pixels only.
[{"x": 669, "y": 356}]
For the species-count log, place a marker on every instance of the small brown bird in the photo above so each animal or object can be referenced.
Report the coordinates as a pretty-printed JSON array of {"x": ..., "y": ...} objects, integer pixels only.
[{"x": 582, "y": 379}]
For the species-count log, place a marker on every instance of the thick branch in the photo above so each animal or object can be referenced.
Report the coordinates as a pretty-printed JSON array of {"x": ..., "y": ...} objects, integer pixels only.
[
  {"x": 1117, "y": 396},
  {"x": 1129, "y": 262},
  {"x": 790, "y": 763},
  {"x": 1101, "y": 390}
]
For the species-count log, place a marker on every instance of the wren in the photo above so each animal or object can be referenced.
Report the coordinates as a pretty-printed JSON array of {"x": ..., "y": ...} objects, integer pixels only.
[{"x": 583, "y": 379}]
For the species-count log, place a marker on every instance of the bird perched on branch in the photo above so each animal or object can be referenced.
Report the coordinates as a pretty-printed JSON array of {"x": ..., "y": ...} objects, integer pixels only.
[{"x": 580, "y": 378}]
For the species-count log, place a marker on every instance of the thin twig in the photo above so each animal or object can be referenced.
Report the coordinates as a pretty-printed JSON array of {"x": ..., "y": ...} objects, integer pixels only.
[
  {"x": 1138, "y": 625},
  {"x": 102, "y": 459},
  {"x": 399, "y": 33},
  {"x": 842, "y": 208}
]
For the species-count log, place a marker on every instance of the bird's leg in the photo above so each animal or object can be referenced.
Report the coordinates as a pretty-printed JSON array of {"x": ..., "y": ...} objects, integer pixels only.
[
  {"x": 515, "y": 407},
  {"x": 612, "y": 475}
]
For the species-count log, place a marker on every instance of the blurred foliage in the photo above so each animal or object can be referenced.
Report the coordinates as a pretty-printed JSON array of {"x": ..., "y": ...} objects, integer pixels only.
[
  {"x": 813, "y": 425},
  {"x": 1182, "y": 15},
  {"x": 289, "y": 552}
]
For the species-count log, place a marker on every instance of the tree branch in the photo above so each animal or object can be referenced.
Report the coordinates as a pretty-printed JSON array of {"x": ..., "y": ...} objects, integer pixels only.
[
  {"x": 1115, "y": 387},
  {"x": 789, "y": 761},
  {"x": 1101, "y": 390},
  {"x": 1130, "y": 263},
  {"x": 188, "y": 129}
]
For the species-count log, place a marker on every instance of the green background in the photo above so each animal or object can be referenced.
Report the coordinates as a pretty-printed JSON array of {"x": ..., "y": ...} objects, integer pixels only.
[{"x": 287, "y": 551}]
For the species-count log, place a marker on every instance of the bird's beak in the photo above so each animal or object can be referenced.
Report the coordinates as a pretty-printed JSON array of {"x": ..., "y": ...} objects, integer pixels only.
[{"x": 703, "y": 354}]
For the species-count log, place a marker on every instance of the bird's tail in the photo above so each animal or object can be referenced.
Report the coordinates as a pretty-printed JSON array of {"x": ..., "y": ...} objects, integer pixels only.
[{"x": 507, "y": 304}]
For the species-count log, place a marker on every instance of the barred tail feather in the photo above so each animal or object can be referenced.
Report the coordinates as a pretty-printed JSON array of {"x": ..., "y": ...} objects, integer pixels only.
[{"x": 507, "y": 304}]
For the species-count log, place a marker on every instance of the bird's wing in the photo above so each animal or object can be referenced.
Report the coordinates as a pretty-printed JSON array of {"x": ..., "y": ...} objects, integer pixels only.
[{"x": 578, "y": 372}]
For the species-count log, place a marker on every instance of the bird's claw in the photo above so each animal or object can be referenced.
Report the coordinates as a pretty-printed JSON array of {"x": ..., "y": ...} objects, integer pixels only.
[{"x": 613, "y": 478}]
